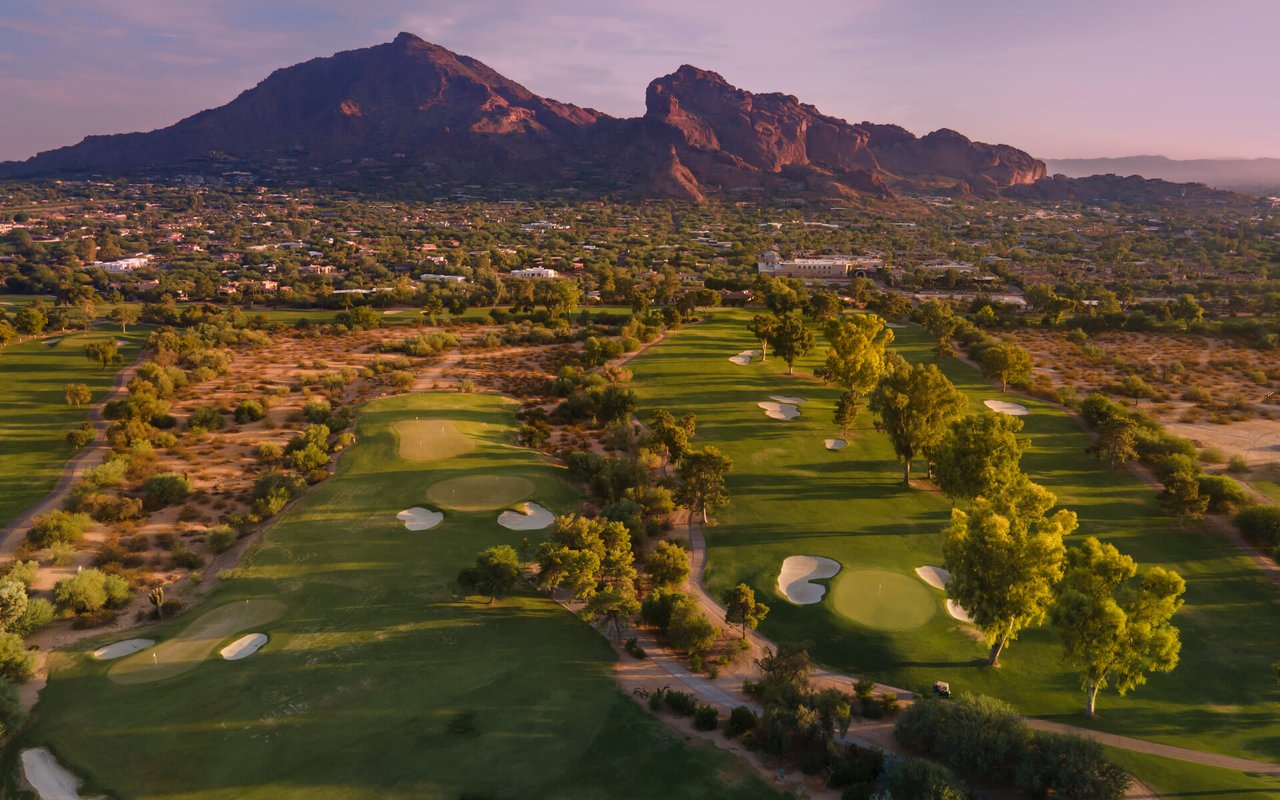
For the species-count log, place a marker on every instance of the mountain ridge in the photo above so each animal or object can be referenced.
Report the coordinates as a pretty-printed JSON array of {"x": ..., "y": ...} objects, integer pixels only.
[{"x": 418, "y": 112}]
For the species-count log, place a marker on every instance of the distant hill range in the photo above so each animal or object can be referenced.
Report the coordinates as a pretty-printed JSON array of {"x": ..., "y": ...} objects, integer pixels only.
[
  {"x": 1238, "y": 174},
  {"x": 411, "y": 113}
]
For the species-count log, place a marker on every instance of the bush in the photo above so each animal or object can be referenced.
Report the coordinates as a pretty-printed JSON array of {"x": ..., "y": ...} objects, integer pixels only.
[
  {"x": 919, "y": 779},
  {"x": 24, "y": 572},
  {"x": 633, "y": 647},
  {"x": 1055, "y": 765},
  {"x": 39, "y": 613},
  {"x": 680, "y": 702},
  {"x": 166, "y": 489},
  {"x": 316, "y": 410},
  {"x": 689, "y": 629},
  {"x": 249, "y": 411},
  {"x": 706, "y": 718},
  {"x": 1261, "y": 523},
  {"x": 741, "y": 720},
  {"x": 220, "y": 538},
  {"x": 91, "y": 590},
  {"x": 206, "y": 419},
  {"x": 972, "y": 734},
  {"x": 269, "y": 453},
  {"x": 1225, "y": 495},
  {"x": 17, "y": 663},
  {"x": 58, "y": 527}
]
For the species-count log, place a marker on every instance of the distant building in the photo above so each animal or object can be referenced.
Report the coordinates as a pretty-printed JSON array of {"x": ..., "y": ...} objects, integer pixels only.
[
  {"x": 825, "y": 268},
  {"x": 136, "y": 261},
  {"x": 535, "y": 272},
  {"x": 429, "y": 276}
]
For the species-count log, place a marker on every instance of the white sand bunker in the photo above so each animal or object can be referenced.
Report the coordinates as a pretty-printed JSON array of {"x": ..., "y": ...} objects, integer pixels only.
[
  {"x": 53, "y": 341},
  {"x": 121, "y": 649},
  {"x": 530, "y": 517},
  {"x": 782, "y": 398},
  {"x": 419, "y": 518},
  {"x": 894, "y": 325},
  {"x": 244, "y": 647},
  {"x": 1005, "y": 407},
  {"x": 796, "y": 574},
  {"x": 779, "y": 410},
  {"x": 47, "y": 776},
  {"x": 938, "y": 578},
  {"x": 744, "y": 358},
  {"x": 835, "y": 444}
]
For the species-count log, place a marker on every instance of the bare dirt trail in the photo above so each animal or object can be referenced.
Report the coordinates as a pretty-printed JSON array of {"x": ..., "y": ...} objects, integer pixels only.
[{"x": 89, "y": 456}]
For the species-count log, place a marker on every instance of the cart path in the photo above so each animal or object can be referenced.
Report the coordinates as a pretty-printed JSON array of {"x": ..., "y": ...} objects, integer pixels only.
[{"x": 90, "y": 455}]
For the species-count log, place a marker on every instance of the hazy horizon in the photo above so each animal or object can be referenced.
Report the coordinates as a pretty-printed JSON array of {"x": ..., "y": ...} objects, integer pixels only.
[{"x": 1096, "y": 80}]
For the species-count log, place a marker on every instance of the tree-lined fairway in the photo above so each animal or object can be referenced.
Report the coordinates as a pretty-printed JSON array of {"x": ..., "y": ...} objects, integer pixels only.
[
  {"x": 377, "y": 681},
  {"x": 790, "y": 496},
  {"x": 34, "y": 415}
]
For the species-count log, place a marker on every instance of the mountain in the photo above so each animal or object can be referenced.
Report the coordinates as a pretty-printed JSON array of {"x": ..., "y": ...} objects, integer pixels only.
[
  {"x": 1240, "y": 174},
  {"x": 412, "y": 113}
]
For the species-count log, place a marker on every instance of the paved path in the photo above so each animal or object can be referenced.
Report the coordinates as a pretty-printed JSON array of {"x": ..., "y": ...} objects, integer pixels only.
[{"x": 89, "y": 456}]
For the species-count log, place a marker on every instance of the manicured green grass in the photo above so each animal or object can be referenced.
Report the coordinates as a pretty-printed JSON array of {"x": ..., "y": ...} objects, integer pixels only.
[
  {"x": 378, "y": 681},
  {"x": 1174, "y": 779},
  {"x": 1268, "y": 483},
  {"x": 431, "y": 440},
  {"x": 791, "y": 496},
  {"x": 883, "y": 600},
  {"x": 34, "y": 415}
]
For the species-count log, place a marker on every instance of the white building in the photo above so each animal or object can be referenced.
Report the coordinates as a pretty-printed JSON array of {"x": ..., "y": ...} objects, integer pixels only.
[
  {"x": 535, "y": 272},
  {"x": 430, "y": 276},
  {"x": 135, "y": 261}
]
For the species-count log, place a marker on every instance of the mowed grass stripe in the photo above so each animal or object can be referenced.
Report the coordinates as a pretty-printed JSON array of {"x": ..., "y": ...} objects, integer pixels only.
[
  {"x": 34, "y": 415},
  {"x": 790, "y": 496},
  {"x": 375, "y": 660}
]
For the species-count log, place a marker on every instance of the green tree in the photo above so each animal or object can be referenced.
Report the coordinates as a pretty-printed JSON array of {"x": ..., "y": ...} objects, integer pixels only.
[
  {"x": 979, "y": 456},
  {"x": 13, "y": 603},
  {"x": 824, "y": 305},
  {"x": 701, "y": 480},
  {"x": 671, "y": 434},
  {"x": 77, "y": 394},
  {"x": 125, "y": 315},
  {"x": 495, "y": 573},
  {"x": 846, "y": 412},
  {"x": 742, "y": 608},
  {"x": 105, "y": 353},
  {"x": 586, "y": 555},
  {"x": 1115, "y": 633},
  {"x": 915, "y": 404},
  {"x": 1007, "y": 363},
  {"x": 763, "y": 327},
  {"x": 613, "y": 607},
  {"x": 1117, "y": 440},
  {"x": 1005, "y": 556},
  {"x": 792, "y": 340},
  {"x": 858, "y": 356},
  {"x": 667, "y": 564},
  {"x": 688, "y": 629},
  {"x": 1181, "y": 495},
  {"x": 17, "y": 663},
  {"x": 30, "y": 320}
]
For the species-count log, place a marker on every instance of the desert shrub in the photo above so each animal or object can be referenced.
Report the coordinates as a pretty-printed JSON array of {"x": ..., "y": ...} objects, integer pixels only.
[
  {"x": 972, "y": 734},
  {"x": 39, "y": 612},
  {"x": 249, "y": 411},
  {"x": 308, "y": 458},
  {"x": 61, "y": 554},
  {"x": 316, "y": 410},
  {"x": 17, "y": 663},
  {"x": 23, "y": 572},
  {"x": 271, "y": 491},
  {"x": 1225, "y": 495},
  {"x": 58, "y": 527},
  {"x": 91, "y": 590},
  {"x": 111, "y": 472},
  {"x": 741, "y": 719},
  {"x": 82, "y": 435},
  {"x": 1237, "y": 464},
  {"x": 344, "y": 440},
  {"x": 1213, "y": 455},
  {"x": 1261, "y": 523},
  {"x": 680, "y": 702},
  {"x": 706, "y": 718},
  {"x": 220, "y": 538},
  {"x": 920, "y": 779},
  {"x": 13, "y": 603},
  {"x": 166, "y": 489},
  {"x": 269, "y": 452},
  {"x": 1054, "y": 765},
  {"x": 206, "y": 419},
  {"x": 181, "y": 557}
]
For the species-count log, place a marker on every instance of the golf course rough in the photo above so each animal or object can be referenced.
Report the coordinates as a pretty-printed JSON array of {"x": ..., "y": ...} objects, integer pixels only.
[{"x": 374, "y": 660}]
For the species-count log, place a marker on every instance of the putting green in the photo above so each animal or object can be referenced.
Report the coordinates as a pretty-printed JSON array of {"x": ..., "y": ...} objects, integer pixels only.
[
  {"x": 480, "y": 492},
  {"x": 887, "y": 601},
  {"x": 431, "y": 439},
  {"x": 196, "y": 642}
]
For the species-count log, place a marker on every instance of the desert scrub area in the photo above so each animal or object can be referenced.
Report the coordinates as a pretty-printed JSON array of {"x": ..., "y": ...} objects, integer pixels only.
[{"x": 1213, "y": 390}]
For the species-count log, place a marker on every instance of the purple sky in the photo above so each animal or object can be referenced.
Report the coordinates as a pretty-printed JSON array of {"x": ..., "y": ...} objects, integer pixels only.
[{"x": 1060, "y": 78}]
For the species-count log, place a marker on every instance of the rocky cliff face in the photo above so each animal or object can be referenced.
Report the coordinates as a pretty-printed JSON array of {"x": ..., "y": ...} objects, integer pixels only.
[{"x": 419, "y": 113}]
